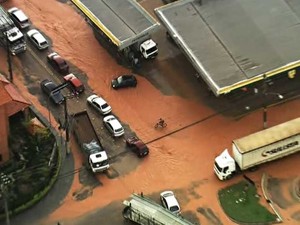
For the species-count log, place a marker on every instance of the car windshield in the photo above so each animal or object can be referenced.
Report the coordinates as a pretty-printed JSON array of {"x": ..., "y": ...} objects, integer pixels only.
[
  {"x": 43, "y": 43},
  {"x": 120, "y": 79},
  {"x": 18, "y": 41},
  {"x": 174, "y": 208},
  {"x": 218, "y": 167},
  {"x": 150, "y": 50},
  {"x": 105, "y": 105},
  {"x": 119, "y": 129},
  {"x": 99, "y": 164}
]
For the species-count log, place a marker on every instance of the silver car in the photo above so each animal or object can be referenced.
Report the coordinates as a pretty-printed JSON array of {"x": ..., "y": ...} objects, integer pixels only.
[
  {"x": 170, "y": 202},
  {"x": 19, "y": 18},
  {"x": 99, "y": 104},
  {"x": 37, "y": 39},
  {"x": 113, "y": 125}
]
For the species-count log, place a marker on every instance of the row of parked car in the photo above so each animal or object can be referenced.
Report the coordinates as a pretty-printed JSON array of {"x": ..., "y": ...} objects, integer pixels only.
[
  {"x": 114, "y": 126},
  {"x": 61, "y": 66}
]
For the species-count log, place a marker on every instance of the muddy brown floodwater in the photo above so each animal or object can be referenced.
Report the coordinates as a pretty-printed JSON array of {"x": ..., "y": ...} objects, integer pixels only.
[{"x": 182, "y": 161}]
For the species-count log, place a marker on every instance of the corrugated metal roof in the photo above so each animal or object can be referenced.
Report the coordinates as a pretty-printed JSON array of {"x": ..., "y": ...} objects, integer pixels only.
[
  {"x": 9, "y": 93},
  {"x": 123, "y": 21},
  {"x": 234, "y": 42}
]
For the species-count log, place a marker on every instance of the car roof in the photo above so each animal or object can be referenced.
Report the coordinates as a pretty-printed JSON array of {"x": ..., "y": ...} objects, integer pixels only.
[
  {"x": 57, "y": 58},
  {"x": 98, "y": 157},
  {"x": 114, "y": 122},
  {"x": 76, "y": 82},
  {"x": 73, "y": 79},
  {"x": 171, "y": 200},
  {"x": 50, "y": 85},
  {"x": 39, "y": 37},
  {"x": 20, "y": 15},
  {"x": 99, "y": 100}
]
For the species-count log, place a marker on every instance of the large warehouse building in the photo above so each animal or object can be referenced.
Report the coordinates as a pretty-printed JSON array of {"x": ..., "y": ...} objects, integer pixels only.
[{"x": 236, "y": 43}]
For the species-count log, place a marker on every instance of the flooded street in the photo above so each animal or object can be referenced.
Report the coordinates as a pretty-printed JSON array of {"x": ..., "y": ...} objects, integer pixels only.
[{"x": 181, "y": 155}]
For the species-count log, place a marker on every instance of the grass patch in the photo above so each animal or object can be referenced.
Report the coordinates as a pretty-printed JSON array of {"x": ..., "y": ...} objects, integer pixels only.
[{"x": 240, "y": 202}]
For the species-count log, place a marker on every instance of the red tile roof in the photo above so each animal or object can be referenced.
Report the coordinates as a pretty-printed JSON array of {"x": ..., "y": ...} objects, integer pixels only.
[
  {"x": 9, "y": 93},
  {"x": 4, "y": 96}
]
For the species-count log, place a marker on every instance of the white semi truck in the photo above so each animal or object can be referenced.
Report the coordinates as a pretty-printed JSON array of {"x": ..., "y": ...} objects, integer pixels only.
[
  {"x": 10, "y": 36},
  {"x": 124, "y": 27},
  {"x": 260, "y": 147}
]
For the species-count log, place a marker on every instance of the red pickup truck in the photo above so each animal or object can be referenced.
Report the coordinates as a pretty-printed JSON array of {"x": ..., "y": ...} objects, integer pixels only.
[
  {"x": 137, "y": 146},
  {"x": 76, "y": 84}
]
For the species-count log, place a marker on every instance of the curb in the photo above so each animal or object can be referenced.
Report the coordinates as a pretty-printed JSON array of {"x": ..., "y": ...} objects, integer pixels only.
[{"x": 264, "y": 181}]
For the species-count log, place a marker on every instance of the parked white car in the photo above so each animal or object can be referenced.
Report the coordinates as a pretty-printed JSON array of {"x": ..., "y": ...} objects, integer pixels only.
[
  {"x": 170, "y": 202},
  {"x": 99, "y": 104},
  {"x": 37, "y": 39},
  {"x": 113, "y": 125},
  {"x": 19, "y": 18}
]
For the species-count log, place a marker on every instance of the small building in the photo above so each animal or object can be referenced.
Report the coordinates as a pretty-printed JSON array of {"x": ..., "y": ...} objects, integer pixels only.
[
  {"x": 236, "y": 43},
  {"x": 11, "y": 102}
]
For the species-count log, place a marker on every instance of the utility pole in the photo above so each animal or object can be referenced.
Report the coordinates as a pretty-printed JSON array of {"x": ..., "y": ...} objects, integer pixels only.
[
  {"x": 66, "y": 122},
  {"x": 265, "y": 93},
  {"x": 66, "y": 125},
  {"x": 265, "y": 107},
  {"x": 9, "y": 60},
  {"x": 265, "y": 125}
]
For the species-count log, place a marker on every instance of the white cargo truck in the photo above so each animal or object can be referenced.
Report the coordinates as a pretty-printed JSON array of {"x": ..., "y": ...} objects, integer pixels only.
[
  {"x": 260, "y": 147},
  {"x": 95, "y": 156},
  {"x": 10, "y": 36},
  {"x": 124, "y": 27}
]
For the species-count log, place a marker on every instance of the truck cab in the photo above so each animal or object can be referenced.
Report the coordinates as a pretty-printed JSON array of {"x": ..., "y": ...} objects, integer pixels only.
[
  {"x": 149, "y": 49},
  {"x": 17, "y": 43},
  {"x": 224, "y": 166},
  {"x": 76, "y": 85},
  {"x": 98, "y": 162}
]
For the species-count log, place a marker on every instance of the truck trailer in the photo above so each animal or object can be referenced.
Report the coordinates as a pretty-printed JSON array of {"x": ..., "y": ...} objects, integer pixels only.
[
  {"x": 10, "y": 36},
  {"x": 142, "y": 210},
  {"x": 90, "y": 145},
  {"x": 260, "y": 147},
  {"x": 124, "y": 27}
]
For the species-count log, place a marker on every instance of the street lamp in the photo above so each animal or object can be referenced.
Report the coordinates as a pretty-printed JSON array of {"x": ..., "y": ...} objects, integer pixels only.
[{"x": 265, "y": 116}]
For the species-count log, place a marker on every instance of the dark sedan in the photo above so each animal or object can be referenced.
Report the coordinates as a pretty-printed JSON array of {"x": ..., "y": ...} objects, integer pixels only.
[
  {"x": 58, "y": 63},
  {"x": 47, "y": 87},
  {"x": 137, "y": 146},
  {"x": 124, "y": 81}
]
